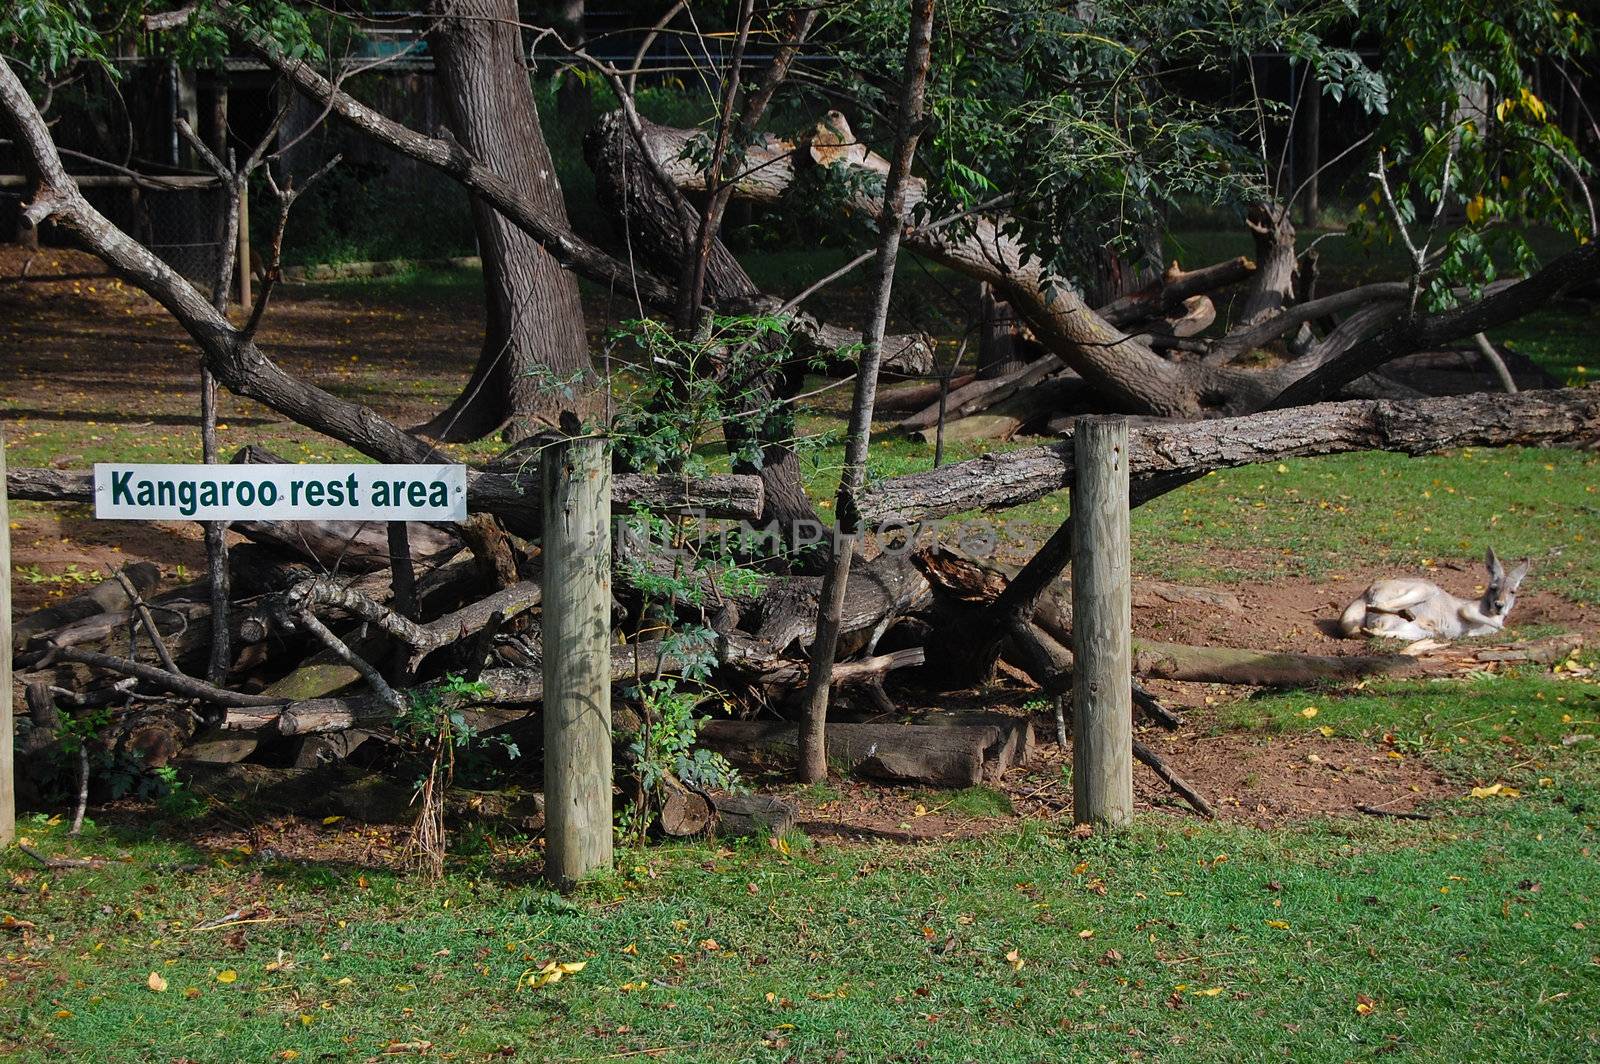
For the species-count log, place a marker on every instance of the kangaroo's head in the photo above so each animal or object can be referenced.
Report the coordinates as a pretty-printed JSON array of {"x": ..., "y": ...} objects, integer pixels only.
[{"x": 1501, "y": 594}]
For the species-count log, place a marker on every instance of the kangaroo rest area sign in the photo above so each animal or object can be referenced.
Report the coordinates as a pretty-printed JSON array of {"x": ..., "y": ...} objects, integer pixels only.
[{"x": 350, "y": 492}]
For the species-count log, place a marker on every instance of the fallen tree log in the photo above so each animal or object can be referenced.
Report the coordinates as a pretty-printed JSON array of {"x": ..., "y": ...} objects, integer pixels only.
[
  {"x": 983, "y": 393},
  {"x": 944, "y": 756},
  {"x": 167, "y": 681},
  {"x": 879, "y": 593},
  {"x": 746, "y": 660},
  {"x": 1005, "y": 418},
  {"x": 1259, "y": 668},
  {"x": 1166, "y": 294},
  {"x": 351, "y": 546},
  {"x": 1567, "y": 416},
  {"x": 105, "y": 597},
  {"x": 916, "y": 394}
]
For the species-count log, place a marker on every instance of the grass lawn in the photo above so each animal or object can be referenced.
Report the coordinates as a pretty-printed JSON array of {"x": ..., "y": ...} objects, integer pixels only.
[{"x": 1475, "y": 935}]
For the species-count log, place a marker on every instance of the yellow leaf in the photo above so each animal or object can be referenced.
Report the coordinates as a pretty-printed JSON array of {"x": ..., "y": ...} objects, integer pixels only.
[
  {"x": 156, "y": 983},
  {"x": 1487, "y": 792},
  {"x": 629, "y": 987},
  {"x": 191, "y": 992},
  {"x": 306, "y": 1018},
  {"x": 1208, "y": 992},
  {"x": 920, "y": 810},
  {"x": 631, "y": 948},
  {"x": 1475, "y": 209},
  {"x": 1080, "y": 868},
  {"x": 289, "y": 1054},
  {"x": 1326, "y": 731},
  {"x": 572, "y": 967},
  {"x": 1281, "y": 925},
  {"x": 346, "y": 981},
  {"x": 1309, "y": 712},
  {"x": 63, "y": 1014},
  {"x": 1087, "y": 932},
  {"x": 227, "y": 975},
  {"x": 331, "y": 820}
]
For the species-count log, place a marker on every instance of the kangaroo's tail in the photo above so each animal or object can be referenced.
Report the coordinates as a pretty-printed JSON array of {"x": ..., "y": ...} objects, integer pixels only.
[{"x": 1355, "y": 615}]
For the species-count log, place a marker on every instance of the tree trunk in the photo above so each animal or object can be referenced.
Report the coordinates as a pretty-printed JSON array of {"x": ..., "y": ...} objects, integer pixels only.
[
  {"x": 535, "y": 350},
  {"x": 813, "y": 748}
]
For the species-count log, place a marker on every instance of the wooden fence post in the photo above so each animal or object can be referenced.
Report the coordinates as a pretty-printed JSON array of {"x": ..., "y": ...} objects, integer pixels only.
[
  {"x": 577, "y": 659},
  {"x": 1102, "y": 626},
  {"x": 8, "y": 768},
  {"x": 244, "y": 245}
]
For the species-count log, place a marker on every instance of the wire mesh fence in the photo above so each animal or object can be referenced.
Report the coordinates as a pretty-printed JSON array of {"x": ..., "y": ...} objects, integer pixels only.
[
  {"x": 184, "y": 226},
  {"x": 181, "y": 219}
]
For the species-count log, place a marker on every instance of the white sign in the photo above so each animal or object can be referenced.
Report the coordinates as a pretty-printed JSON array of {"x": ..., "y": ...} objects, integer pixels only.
[{"x": 129, "y": 491}]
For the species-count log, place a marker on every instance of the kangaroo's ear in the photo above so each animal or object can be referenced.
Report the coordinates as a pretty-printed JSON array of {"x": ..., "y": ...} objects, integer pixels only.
[
  {"x": 1518, "y": 573},
  {"x": 1496, "y": 572}
]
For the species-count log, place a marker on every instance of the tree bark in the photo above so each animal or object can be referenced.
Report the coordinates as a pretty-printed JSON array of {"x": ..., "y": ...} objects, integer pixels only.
[
  {"x": 908, "y": 128},
  {"x": 535, "y": 351},
  {"x": 1566, "y": 416}
]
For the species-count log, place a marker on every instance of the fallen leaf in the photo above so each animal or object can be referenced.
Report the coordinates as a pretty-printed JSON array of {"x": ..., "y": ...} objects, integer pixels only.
[
  {"x": 156, "y": 983},
  {"x": 327, "y": 820},
  {"x": 1208, "y": 992},
  {"x": 1014, "y": 958},
  {"x": 1087, "y": 932},
  {"x": 227, "y": 975},
  {"x": 1364, "y": 1005},
  {"x": 1280, "y": 925}
]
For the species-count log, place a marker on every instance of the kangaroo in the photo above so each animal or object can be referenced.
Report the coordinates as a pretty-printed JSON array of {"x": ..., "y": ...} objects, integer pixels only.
[{"x": 1418, "y": 609}]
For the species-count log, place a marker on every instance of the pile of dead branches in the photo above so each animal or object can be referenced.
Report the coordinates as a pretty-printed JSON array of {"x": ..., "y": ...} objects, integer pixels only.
[{"x": 337, "y": 629}]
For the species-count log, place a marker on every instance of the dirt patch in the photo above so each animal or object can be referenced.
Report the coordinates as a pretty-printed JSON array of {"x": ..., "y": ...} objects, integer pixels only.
[
  {"x": 67, "y": 551},
  {"x": 1252, "y": 778},
  {"x": 1302, "y": 617}
]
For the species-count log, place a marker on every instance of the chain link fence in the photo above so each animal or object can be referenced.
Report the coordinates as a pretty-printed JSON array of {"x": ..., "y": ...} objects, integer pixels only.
[{"x": 180, "y": 219}]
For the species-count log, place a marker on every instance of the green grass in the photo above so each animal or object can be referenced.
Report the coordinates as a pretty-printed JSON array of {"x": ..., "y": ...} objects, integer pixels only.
[
  {"x": 1471, "y": 728},
  {"x": 1471, "y": 936},
  {"x": 969, "y": 802},
  {"x": 1560, "y": 339}
]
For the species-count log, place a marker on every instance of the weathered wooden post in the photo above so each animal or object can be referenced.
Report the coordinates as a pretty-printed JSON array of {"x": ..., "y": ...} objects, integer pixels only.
[
  {"x": 1102, "y": 626},
  {"x": 8, "y": 768},
  {"x": 244, "y": 245},
  {"x": 577, "y": 659}
]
